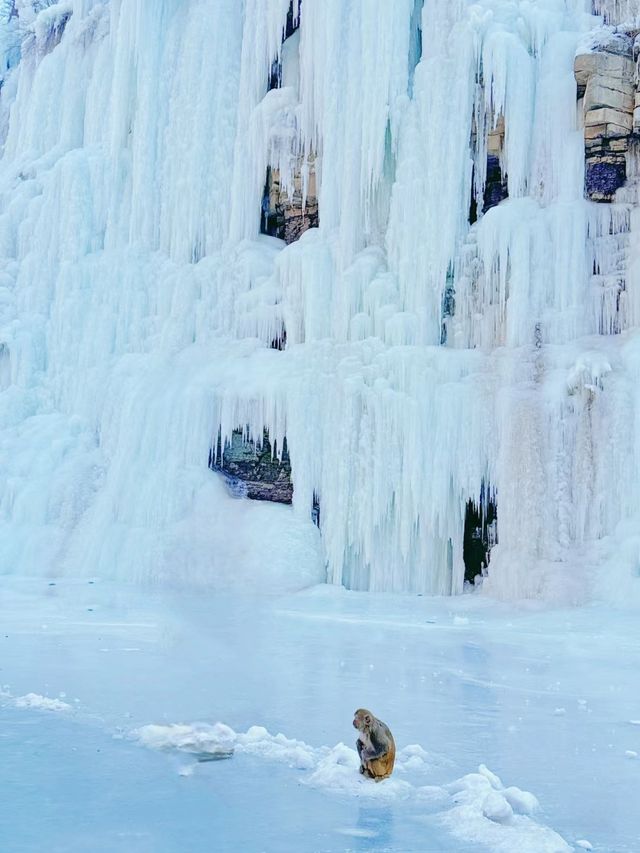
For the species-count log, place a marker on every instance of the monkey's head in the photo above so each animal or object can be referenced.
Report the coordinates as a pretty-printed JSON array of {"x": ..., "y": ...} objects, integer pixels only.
[{"x": 362, "y": 719}]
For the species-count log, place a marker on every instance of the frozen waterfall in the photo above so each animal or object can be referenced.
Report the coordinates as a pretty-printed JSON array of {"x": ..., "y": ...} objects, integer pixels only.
[{"x": 442, "y": 351}]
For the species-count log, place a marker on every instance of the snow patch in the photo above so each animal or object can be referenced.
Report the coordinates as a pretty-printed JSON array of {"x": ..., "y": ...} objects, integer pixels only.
[
  {"x": 41, "y": 703},
  {"x": 476, "y": 807},
  {"x": 492, "y": 778},
  {"x": 294, "y": 753},
  {"x": 198, "y": 738},
  {"x": 484, "y": 812},
  {"x": 414, "y": 757},
  {"x": 338, "y": 771},
  {"x": 496, "y": 808},
  {"x": 522, "y": 802}
]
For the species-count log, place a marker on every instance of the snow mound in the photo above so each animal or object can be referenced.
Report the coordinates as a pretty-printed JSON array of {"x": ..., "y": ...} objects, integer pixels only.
[
  {"x": 294, "y": 753},
  {"x": 496, "y": 808},
  {"x": 199, "y": 738},
  {"x": 414, "y": 757},
  {"x": 476, "y": 807},
  {"x": 338, "y": 771},
  {"x": 485, "y": 812},
  {"x": 522, "y": 802},
  {"x": 493, "y": 779},
  {"x": 41, "y": 703}
]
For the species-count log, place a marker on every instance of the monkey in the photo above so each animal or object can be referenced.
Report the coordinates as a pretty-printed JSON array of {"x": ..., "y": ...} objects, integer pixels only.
[{"x": 375, "y": 744}]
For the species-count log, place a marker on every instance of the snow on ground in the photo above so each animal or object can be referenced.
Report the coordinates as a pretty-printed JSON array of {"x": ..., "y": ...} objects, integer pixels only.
[
  {"x": 34, "y": 700},
  {"x": 476, "y": 808},
  {"x": 466, "y": 685}
]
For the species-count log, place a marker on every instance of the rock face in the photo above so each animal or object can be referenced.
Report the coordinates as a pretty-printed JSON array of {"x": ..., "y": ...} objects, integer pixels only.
[
  {"x": 495, "y": 187},
  {"x": 290, "y": 199},
  {"x": 607, "y": 90},
  {"x": 253, "y": 471},
  {"x": 288, "y": 215}
]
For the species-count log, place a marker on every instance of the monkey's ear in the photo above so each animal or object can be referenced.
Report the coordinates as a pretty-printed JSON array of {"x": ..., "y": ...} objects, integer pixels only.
[{"x": 367, "y": 719}]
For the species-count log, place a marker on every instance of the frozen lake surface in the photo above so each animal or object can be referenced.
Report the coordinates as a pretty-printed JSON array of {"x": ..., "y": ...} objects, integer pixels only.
[{"x": 548, "y": 700}]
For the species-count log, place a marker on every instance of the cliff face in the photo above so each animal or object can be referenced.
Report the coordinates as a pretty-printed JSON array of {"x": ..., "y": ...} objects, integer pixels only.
[
  {"x": 479, "y": 285},
  {"x": 374, "y": 228},
  {"x": 255, "y": 470},
  {"x": 288, "y": 213},
  {"x": 607, "y": 86}
]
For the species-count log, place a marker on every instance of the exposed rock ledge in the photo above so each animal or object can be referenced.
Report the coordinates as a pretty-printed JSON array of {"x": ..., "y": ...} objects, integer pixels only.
[
  {"x": 607, "y": 81},
  {"x": 288, "y": 215},
  {"x": 253, "y": 470}
]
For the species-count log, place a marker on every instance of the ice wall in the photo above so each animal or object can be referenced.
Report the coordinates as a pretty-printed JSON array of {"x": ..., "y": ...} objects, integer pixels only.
[
  {"x": 427, "y": 358},
  {"x": 618, "y": 11}
]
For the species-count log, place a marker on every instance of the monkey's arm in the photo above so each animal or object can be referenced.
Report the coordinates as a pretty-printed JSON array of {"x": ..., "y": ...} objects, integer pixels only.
[
  {"x": 372, "y": 754},
  {"x": 365, "y": 754},
  {"x": 379, "y": 747}
]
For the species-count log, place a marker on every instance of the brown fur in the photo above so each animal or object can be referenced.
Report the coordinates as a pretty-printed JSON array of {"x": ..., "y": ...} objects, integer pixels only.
[{"x": 376, "y": 747}]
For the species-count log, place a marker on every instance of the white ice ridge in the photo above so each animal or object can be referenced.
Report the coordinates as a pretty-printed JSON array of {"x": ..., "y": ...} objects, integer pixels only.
[
  {"x": 476, "y": 808},
  {"x": 428, "y": 360},
  {"x": 35, "y": 701}
]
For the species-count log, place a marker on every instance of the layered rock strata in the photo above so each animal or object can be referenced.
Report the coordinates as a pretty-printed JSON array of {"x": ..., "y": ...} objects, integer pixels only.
[
  {"x": 289, "y": 213},
  {"x": 607, "y": 82}
]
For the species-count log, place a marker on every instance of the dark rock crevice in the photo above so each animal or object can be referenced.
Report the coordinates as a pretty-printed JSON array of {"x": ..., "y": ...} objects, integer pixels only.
[
  {"x": 288, "y": 215},
  {"x": 256, "y": 470},
  {"x": 292, "y": 25},
  {"x": 252, "y": 469},
  {"x": 495, "y": 187},
  {"x": 480, "y": 534}
]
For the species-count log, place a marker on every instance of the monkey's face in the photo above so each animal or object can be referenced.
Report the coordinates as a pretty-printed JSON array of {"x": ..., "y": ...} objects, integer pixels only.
[{"x": 361, "y": 719}]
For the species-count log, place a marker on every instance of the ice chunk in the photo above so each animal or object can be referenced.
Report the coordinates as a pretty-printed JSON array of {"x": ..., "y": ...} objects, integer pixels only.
[
  {"x": 496, "y": 808},
  {"x": 41, "y": 703},
  {"x": 200, "y": 738},
  {"x": 493, "y": 779},
  {"x": 522, "y": 802}
]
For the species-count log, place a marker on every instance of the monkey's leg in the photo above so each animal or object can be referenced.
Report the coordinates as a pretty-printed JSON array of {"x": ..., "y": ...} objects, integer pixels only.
[
  {"x": 359, "y": 748},
  {"x": 368, "y": 766},
  {"x": 379, "y": 768}
]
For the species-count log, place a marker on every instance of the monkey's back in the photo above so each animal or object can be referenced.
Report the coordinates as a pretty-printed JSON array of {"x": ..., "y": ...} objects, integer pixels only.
[{"x": 381, "y": 768}]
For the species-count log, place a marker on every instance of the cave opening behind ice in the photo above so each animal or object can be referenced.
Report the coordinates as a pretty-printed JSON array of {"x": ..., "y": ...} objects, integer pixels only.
[{"x": 480, "y": 534}]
